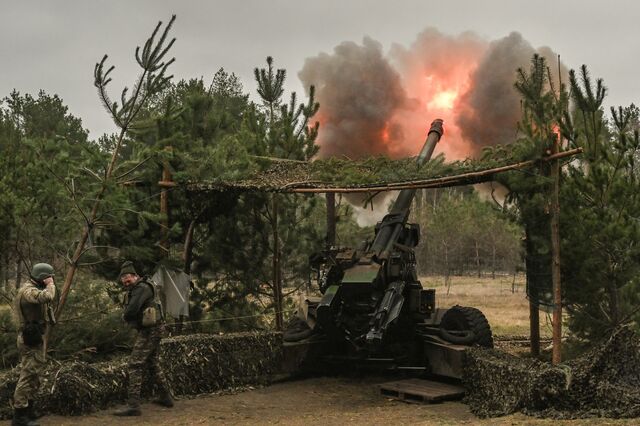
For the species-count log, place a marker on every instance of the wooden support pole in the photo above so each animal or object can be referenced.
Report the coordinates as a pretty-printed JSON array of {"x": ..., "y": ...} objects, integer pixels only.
[
  {"x": 555, "y": 254},
  {"x": 534, "y": 325},
  {"x": 277, "y": 284},
  {"x": 331, "y": 219}
]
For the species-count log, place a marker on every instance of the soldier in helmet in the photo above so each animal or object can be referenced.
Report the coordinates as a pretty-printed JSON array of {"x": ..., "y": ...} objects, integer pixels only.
[
  {"x": 143, "y": 312},
  {"x": 32, "y": 310}
]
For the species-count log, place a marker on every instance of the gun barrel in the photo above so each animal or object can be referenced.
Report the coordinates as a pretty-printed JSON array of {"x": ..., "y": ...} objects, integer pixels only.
[
  {"x": 433, "y": 137},
  {"x": 393, "y": 223}
]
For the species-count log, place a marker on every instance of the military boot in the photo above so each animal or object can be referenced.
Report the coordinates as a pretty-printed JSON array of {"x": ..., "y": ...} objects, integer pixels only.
[
  {"x": 32, "y": 412},
  {"x": 21, "y": 418},
  {"x": 164, "y": 400},
  {"x": 130, "y": 410}
]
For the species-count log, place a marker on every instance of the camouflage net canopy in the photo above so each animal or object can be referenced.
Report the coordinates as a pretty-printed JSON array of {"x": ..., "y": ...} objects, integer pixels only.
[
  {"x": 372, "y": 174},
  {"x": 193, "y": 365},
  {"x": 601, "y": 383}
]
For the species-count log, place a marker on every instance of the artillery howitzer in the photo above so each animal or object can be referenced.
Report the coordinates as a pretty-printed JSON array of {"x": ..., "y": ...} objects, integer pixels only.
[{"x": 373, "y": 306}]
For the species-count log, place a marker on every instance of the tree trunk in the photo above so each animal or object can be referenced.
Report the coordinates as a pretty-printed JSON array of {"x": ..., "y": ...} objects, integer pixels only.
[
  {"x": 555, "y": 254},
  {"x": 277, "y": 290},
  {"x": 84, "y": 235},
  {"x": 447, "y": 278},
  {"x": 18, "y": 273},
  {"x": 493, "y": 261},
  {"x": 532, "y": 292},
  {"x": 534, "y": 328},
  {"x": 331, "y": 219},
  {"x": 187, "y": 254},
  {"x": 614, "y": 302},
  {"x": 5, "y": 270},
  {"x": 478, "y": 258}
]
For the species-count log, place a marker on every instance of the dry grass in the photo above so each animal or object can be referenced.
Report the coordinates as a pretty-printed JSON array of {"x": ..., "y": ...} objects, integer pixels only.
[{"x": 507, "y": 311}]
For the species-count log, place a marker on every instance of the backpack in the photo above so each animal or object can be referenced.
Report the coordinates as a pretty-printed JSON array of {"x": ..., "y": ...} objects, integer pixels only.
[{"x": 154, "y": 314}]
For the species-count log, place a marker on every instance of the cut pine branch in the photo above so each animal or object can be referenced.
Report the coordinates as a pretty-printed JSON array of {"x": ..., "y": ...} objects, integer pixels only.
[{"x": 151, "y": 81}]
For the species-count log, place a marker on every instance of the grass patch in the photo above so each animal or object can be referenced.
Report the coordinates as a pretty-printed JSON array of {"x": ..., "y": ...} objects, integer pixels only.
[{"x": 502, "y": 301}]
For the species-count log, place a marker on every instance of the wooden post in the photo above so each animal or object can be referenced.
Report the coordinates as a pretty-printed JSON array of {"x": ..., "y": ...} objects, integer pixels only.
[
  {"x": 277, "y": 285},
  {"x": 534, "y": 327},
  {"x": 555, "y": 255},
  {"x": 534, "y": 315},
  {"x": 165, "y": 183},
  {"x": 331, "y": 219}
]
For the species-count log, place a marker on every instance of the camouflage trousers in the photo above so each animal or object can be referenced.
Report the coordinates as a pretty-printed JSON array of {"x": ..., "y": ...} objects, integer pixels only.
[
  {"x": 146, "y": 356},
  {"x": 32, "y": 363}
]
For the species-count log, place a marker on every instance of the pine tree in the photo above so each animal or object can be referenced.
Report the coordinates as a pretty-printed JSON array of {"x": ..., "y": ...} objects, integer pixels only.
[
  {"x": 44, "y": 149},
  {"x": 287, "y": 134},
  {"x": 600, "y": 243},
  {"x": 152, "y": 80},
  {"x": 543, "y": 107}
]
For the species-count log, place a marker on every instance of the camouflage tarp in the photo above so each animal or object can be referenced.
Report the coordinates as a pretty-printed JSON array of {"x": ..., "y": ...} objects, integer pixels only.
[
  {"x": 603, "y": 382},
  {"x": 193, "y": 365}
]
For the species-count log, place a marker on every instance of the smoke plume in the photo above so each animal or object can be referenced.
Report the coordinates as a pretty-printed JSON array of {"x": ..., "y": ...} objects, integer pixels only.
[
  {"x": 359, "y": 92},
  {"x": 377, "y": 104}
]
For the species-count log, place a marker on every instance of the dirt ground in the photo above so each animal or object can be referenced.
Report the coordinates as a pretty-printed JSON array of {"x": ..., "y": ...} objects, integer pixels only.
[{"x": 326, "y": 401}]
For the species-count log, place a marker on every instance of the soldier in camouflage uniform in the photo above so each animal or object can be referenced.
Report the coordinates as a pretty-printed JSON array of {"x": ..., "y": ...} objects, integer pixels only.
[
  {"x": 32, "y": 311},
  {"x": 141, "y": 296}
]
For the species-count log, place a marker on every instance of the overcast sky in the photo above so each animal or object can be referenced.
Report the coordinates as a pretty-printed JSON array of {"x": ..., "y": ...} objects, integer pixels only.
[{"x": 53, "y": 45}]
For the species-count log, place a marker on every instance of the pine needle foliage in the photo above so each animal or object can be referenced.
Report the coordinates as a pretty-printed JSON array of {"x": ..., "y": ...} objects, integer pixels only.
[
  {"x": 274, "y": 175},
  {"x": 544, "y": 109},
  {"x": 601, "y": 228}
]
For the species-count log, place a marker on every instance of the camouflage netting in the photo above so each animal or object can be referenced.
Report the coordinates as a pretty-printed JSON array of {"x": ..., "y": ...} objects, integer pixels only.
[
  {"x": 375, "y": 172},
  {"x": 193, "y": 365},
  {"x": 602, "y": 383}
]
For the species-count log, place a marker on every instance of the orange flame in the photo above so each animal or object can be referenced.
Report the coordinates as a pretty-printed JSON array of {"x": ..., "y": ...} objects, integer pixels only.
[{"x": 437, "y": 95}]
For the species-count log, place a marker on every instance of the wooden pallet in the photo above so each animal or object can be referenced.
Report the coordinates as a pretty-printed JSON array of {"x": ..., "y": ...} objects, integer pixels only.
[{"x": 421, "y": 391}]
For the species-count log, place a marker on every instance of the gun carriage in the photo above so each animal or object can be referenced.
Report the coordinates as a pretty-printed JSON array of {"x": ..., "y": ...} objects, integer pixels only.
[{"x": 373, "y": 307}]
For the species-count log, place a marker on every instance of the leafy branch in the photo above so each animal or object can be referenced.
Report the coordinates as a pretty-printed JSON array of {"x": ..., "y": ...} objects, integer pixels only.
[{"x": 152, "y": 80}]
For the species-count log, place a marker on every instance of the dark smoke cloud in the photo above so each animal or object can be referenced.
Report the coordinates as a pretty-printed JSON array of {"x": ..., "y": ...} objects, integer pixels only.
[
  {"x": 358, "y": 91},
  {"x": 435, "y": 53},
  {"x": 370, "y": 107},
  {"x": 490, "y": 109}
]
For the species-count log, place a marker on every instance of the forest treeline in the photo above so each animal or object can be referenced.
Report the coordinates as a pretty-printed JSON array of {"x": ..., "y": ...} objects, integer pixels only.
[{"x": 88, "y": 204}]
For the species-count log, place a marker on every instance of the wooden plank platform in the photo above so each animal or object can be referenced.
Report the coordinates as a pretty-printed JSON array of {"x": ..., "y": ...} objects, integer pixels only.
[{"x": 421, "y": 391}]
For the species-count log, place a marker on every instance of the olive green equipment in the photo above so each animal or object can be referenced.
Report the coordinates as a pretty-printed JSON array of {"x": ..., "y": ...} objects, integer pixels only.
[
  {"x": 374, "y": 309},
  {"x": 154, "y": 314},
  {"x": 41, "y": 271}
]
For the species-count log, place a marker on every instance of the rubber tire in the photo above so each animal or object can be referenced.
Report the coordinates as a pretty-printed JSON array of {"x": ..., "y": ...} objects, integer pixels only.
[
  {"x": 296, "y": 330},
  {"x": 472, "y": 320}
]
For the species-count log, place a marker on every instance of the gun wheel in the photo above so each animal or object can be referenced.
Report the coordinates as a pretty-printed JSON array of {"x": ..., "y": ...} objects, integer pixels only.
[{"x": 466, "y": 326}]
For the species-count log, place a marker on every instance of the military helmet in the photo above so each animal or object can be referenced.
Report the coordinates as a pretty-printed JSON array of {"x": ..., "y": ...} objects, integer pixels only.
[{"x": 41, "y": 271}]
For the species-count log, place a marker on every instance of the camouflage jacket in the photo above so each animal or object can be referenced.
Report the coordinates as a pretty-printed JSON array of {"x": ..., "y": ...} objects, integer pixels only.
[{"x": 33, "y": 303}]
